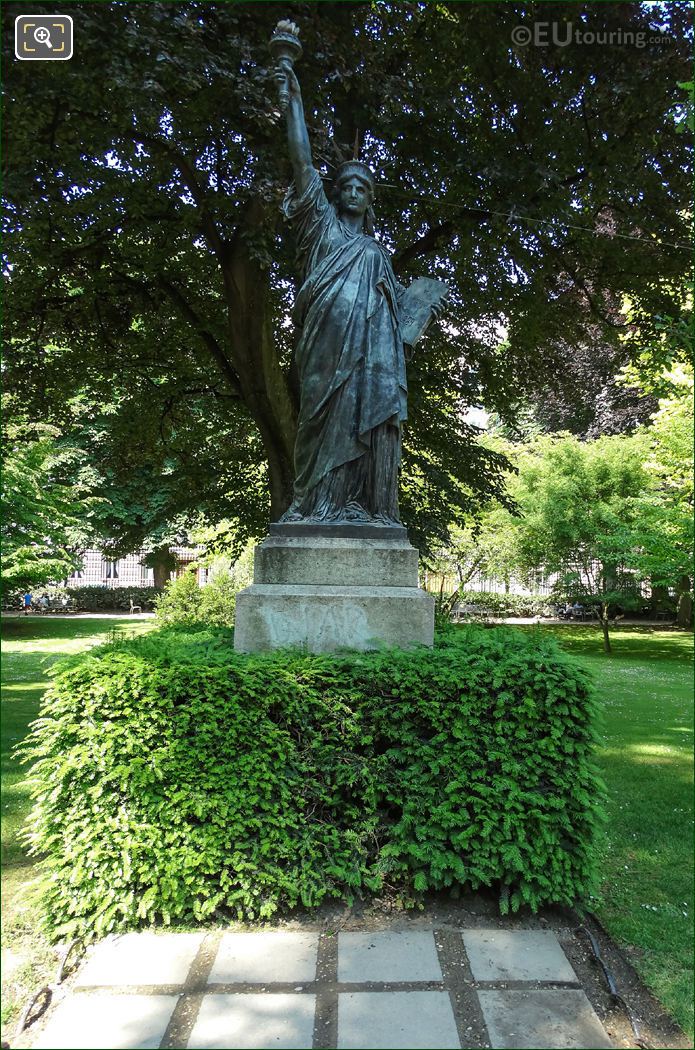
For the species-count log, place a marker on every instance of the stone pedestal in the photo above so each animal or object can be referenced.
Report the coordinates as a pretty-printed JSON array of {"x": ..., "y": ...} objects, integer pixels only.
[{"x": 334, "y": 587}]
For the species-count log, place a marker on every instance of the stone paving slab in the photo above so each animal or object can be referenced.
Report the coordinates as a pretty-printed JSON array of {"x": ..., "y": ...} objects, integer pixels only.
[
  {"x": 265, "y": 956},
  {"x": 141, "y": 959},
  {"x": 517, "y": 955},
  {"x": 100, "y": 1021},
  {"x": 387, "y": 956},
  {"x": 397, "y": 989},
  {"x": 396, "y": 1021},
  {"x": 254, "y": 1022},
  {"x": 543, "y": 1019}
]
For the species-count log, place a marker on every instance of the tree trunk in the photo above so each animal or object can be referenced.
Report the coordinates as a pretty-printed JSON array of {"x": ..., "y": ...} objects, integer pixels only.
[
  {"x": 604, "y": 627},
  {"x": 684, "y": 615},
  {"x": 659, "y": 594},
  {"x": 467, "y": 576},
  {"x": 264, "y": 385},
  {"x": 160, "y": 561}
]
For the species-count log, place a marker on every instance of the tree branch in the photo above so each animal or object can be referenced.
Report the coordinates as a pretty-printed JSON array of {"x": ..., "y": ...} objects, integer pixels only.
[
  {"x": 579, "y": 283},
  {"x": 427, "y": 243},
  {"x": 190, "y": 178},
  {"x": 214, "y": 348}
]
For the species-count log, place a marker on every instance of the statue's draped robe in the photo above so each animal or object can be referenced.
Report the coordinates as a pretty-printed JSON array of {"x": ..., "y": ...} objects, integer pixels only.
[{"x": 351, "y": 368}]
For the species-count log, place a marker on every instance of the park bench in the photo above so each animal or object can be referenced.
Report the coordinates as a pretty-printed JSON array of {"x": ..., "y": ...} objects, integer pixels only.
[{"x": 56, "y": 605}]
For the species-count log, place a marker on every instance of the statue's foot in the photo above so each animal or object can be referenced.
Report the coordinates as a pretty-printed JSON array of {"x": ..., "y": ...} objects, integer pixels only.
[
  {"x": 384, "y": 519},
  {"x": 354, "y": 512},
  {"x": 292, "y": 514}
]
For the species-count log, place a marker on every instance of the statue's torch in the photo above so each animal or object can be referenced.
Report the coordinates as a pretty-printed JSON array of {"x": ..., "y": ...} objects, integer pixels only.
[{"x": 286, "y": 50}]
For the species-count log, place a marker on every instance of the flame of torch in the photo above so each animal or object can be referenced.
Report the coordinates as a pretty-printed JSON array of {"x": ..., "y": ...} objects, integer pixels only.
[{"x": 286, "y": 50}]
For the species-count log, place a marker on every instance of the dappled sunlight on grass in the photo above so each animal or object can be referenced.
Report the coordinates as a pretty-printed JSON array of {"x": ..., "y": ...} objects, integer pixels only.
[
  {"x": 15, "y": 802},
  {"x": 649, "y": 644},
  {"x": 17, "y": 691},
  {"x": 676, "y": 765},
  {"x": 646, "y": 759},
  {"x": 654, "y": 749},
  {"x": 55, "y": 637}
]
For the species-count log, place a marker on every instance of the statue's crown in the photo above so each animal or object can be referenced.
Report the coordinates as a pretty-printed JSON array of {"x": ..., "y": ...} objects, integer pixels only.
[{"x": 355, "y": 169}]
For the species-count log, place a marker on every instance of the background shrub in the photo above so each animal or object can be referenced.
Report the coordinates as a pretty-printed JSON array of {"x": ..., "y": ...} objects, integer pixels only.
[
  {"x": 99, "y": 599},
  {"x": 91, "y": 599},
  {"x": 175, "y": 779},
  {"x": 185, "y": 604},
  {"x": 508, "y": 604}
]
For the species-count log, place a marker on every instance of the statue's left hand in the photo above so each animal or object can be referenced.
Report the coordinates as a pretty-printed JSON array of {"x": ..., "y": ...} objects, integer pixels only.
[{"x": 440, "y": 307}]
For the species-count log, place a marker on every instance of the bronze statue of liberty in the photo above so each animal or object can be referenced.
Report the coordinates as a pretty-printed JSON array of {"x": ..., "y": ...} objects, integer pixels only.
[{"x": 350, "y": 353}]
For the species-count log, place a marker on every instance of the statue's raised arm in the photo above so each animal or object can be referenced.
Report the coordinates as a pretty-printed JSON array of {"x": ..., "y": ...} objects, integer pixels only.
[{"x": 286, "y": 48}]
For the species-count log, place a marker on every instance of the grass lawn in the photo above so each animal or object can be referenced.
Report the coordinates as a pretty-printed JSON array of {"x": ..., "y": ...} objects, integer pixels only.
[
  {"x": 646, "y": 759},
  {"x": 30, "y": 647}
]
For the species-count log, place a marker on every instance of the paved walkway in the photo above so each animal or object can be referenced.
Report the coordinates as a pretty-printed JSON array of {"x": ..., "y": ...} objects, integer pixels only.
[{"x": 286, "y": 990}]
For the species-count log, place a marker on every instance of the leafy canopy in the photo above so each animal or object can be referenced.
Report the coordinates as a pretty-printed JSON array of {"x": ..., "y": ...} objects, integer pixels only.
[{"x": 151, "y": 278}]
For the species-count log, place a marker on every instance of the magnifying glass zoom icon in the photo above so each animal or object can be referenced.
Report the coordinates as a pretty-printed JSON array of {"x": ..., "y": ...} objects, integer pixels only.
[{"x": 42, "y": 36}]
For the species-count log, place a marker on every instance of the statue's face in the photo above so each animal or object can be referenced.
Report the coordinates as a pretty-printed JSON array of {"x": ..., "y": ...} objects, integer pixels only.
[{"x": 355, "y": 197}]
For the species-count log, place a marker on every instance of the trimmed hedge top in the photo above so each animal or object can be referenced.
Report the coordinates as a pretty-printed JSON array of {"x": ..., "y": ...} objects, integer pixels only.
[{"x": 176, "y": 780}]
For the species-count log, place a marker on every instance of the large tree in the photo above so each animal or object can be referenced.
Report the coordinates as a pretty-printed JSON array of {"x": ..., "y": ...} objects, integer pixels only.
[
  {"x": 602, "y": 517},
  {"x": 578, "y": 518},
  {"x": 607, "y": 386},
  {"x": 150, "y": 276}
]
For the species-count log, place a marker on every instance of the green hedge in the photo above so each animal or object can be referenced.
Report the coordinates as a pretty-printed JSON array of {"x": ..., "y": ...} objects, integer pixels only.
[
  {"x": 507, "y": 604},
  {"x": 92, "y": 599},
  {"x": 175, "y": 780},
  {"x": 97, "y": 599}
]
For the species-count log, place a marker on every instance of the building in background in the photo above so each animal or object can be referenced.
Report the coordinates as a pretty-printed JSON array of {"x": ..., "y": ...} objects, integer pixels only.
[
  {"x": 539, "y": 585},
  {"x": 98, "y": 570}
]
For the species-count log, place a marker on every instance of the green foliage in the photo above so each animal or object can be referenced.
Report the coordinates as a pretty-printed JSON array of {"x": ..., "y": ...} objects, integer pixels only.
[
  {"x": 578, "y": 517},
  {"x": 150, "y": 288},
  {"x": 180, "y": 602},
  {"x": 506, "y": 604},
  {"x": 661, "y": 342},
  {"x": 602, "y": 516},
  {"x": 608, "y": 514},
  {"x": 97, "y": 599},
  {"x": 486, "y": 545},
  {"x": 664, "y": 511},
  {"x": 30, "y": 648},
  {"x": 185, "y": 604},
  {"x": 42, "y": 518},
  {"x": 689, "y": 115},
  {"x": 482, "y": 603},
  {"x": 444, "y": 605},
  {"x": 162, "y": 557},
  {"x": 175, "y": 780}
]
